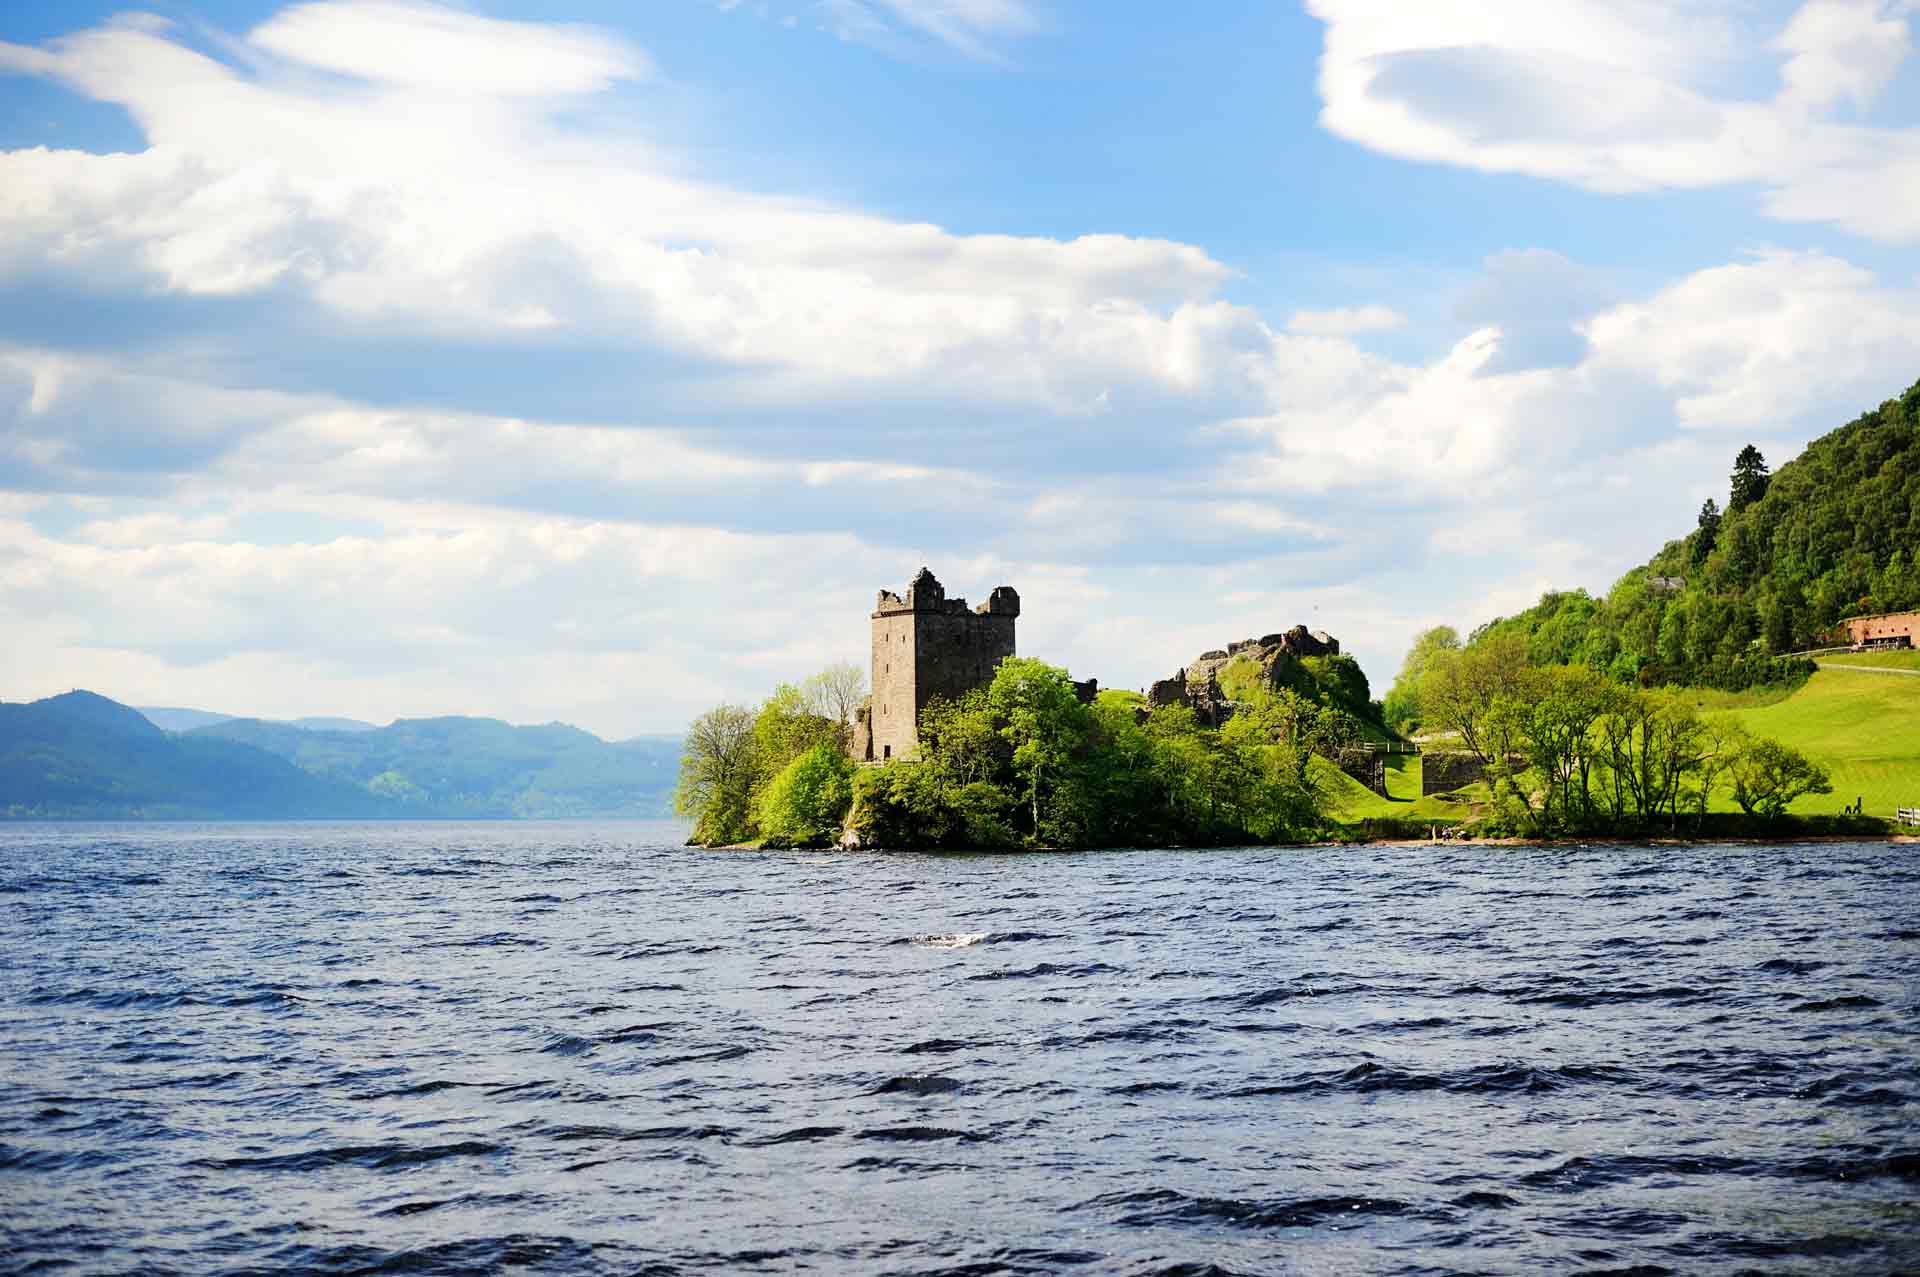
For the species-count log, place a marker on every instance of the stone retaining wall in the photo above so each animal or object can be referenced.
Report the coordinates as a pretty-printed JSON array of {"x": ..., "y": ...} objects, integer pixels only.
[{"x": 1444, "y": 773}]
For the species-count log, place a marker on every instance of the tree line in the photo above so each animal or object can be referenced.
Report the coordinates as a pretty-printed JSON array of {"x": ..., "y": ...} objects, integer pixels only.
[
  {"x": 1834, "y": 533},
  {"x": 1569, "y": 750},
  {"x": 1021, "y": 762}
]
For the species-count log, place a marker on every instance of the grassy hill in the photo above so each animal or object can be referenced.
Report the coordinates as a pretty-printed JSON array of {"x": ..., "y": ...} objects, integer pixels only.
[
  {"x": 1833, "y": 533},
  {"x": 1352, "y": 801},
  {"x": 1862, "y": 726}
]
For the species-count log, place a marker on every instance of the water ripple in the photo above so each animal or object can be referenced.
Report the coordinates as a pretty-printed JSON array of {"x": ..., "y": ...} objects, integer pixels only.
[{"x": 584, "y": 1049}]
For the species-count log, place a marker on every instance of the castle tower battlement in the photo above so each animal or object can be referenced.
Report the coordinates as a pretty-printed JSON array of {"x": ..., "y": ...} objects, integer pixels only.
[{"x": 926, "y": 645}]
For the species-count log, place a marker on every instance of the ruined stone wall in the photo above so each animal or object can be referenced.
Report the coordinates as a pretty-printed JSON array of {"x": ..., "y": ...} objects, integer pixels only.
[
  {"x": 1367, "y": 766},
  {"x": 860, "y": 735},
  {"x": 1444, "y": 773}
]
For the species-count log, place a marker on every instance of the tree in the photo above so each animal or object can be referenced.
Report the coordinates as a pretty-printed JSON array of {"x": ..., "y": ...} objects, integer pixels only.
[
  {"x": 1768, "y": 776},
  {"x": 1559, "y": 739},
  {"x": 1459, "y": 688},
  {"x": 835, "y": 693},
  {"x": 1402, "y": 705},
  {"x": 1722, "y": 741},
  {"x": 1707, "y": 532},
  {"x": 1045, "y": 723},
  {"x": 787, "y": 726},
  {"x": 806, "y": 803},
  {"x": 1749, "y": 479},
  {"x": 717, "y": 775}
]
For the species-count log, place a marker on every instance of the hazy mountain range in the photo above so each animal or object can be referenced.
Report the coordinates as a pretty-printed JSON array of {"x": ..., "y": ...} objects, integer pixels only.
[
  {"x": 185, "y": 720},
  {"x": 83, "y": 756}
]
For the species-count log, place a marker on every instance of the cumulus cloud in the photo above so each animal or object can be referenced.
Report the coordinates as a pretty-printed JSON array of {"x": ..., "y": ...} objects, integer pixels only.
[
  {"x": 1622, "y": 95},
  {"x": 1346, "y": 321},
  {"x": 799, "y": 401},
  {"x": 1539, "y": 300},
  {"x": 411, "y": 197}
]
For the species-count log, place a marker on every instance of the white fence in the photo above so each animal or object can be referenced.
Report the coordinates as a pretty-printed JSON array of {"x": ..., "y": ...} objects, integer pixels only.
[{"x": 1909, "y": 815}]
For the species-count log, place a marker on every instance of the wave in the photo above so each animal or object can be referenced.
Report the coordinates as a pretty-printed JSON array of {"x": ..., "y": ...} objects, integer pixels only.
[
  {"x": 1158, "y": 1207},
  {"x": 373, "y": 1157}
]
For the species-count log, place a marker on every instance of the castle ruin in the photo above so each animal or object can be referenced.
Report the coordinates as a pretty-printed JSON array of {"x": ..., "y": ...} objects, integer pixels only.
[
  {"x": 1198, "y": 685},
  {"x": 926, "y": 645}
]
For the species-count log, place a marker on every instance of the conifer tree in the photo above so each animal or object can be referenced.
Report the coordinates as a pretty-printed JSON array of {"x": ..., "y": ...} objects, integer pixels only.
[
  {"x": 1749, "y": 479},
  {"x": 1709, "y": 531}
]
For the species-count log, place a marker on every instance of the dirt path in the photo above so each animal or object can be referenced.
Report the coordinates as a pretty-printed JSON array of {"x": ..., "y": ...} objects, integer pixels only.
[{"x": 1867, "y": 669}]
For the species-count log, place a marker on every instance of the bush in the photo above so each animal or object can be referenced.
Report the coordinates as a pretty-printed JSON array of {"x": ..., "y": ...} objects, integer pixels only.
[{"x": 806, "y": 803}]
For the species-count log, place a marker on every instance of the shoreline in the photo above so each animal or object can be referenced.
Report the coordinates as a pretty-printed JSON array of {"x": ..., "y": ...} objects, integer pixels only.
[{"x": 1671, "y": 841}]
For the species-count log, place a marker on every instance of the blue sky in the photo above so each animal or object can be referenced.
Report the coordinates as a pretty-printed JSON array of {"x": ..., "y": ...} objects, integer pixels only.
[{"x": 600, "y": 362}]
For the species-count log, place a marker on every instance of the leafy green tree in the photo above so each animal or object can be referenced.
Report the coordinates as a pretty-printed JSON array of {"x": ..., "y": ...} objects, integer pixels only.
[
  {"x": 787, "y": 726},
  {"x": 805, "y": 804},
  {"x": 718, "y": 771},
  {"x": 1402, "y": 704},
  {"x": 1045, "y": 723},
  {"x": 960, "y": 740},
  {"x": 1560, "y": 743},
  {"x": 1648, "y": 743},
  {"x": 1749, "y": 479},
  {"x": 1768, "y": 776},
  {"x": 1459, "y": 688}
]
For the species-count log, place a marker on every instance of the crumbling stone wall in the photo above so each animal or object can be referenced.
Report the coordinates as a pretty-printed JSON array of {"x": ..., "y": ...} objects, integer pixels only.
[
  {"x": 1444, "y": 773},
  {"x": 1367, "y": 766},
  {"x": 1198, "y": 685},
  {"x": 927, "y": 645}
]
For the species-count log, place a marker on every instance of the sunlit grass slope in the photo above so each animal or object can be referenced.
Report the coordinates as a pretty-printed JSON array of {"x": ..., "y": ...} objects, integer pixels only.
[
  {"x": 1352, "y": 801},
  {"x": 1909, "y": 660},
  {"x": 1864, "y": 728}
]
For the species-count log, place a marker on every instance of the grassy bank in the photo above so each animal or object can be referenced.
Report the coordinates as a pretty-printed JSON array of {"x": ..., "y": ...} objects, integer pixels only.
[{"x": 1863, "y": 727}]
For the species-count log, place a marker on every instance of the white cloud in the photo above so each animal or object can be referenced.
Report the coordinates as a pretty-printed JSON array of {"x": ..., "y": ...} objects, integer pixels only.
[
  {"x": 427, "y": 46},
  {"x": 1800, "y": 339},
  {"x": 1158, "y": 469},
  {"x": 412, "y": 202},
  {"x": 1346, "y": 321},
  {"x": 969, "y": 27},
  {"x": 1842, "y": 51},
  {"x": 1620, "y": 95}
]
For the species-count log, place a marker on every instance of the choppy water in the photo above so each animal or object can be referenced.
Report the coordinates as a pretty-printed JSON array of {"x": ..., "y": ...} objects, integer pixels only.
[{"x": 583, "y": 1049}]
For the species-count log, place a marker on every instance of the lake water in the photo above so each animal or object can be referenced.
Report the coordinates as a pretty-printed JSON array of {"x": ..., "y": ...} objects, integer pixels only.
[{"x": 582, "y": 1049}]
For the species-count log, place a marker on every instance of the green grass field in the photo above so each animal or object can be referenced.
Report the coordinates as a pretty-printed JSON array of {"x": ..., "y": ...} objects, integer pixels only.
[
  {"x": 1864, "y": 728},
  {"x": 1353, "y": 801},
  {"x": 1908, "y": 660}
]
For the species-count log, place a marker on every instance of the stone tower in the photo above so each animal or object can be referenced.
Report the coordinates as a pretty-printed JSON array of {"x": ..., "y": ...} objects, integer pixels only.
[{"x": 927, "y": 645}]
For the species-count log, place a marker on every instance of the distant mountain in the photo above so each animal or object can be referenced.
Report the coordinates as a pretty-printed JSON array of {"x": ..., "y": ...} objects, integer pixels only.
[
  {"x": 325, "y": 723},
  {"x": 169, "y": 719},
  {"x": 478, "y": 767},
  {"x": 82, "y": 756},
  {"x": 187, "y": 720}
]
